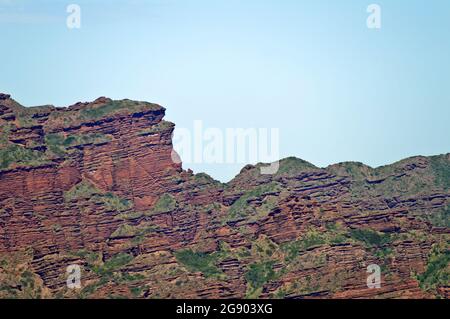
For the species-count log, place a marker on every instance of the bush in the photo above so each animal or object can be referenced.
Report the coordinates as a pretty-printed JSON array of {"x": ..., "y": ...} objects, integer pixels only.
[
  {"x": 55, "y": 143},
  {"x": 370, "y": 237},
  {"x": 16, "y": 154},
  {"x": 4, "y": 135},
  {"x": 241, "y": 208},
  {"x": 102, "y": 110},
  {"x": 86, "y": 190},
  {"x": 260, "y": 273},
  {"x": 198, "y": 262},
  {"x": 156, "y": 128},
  {"x": 112, "y": 107},
  {"x": 114, "y": 263},
  {"x": 441, "y": 218},
  {"x": 308, "y": 240},
  {"x": 165, "y": 203},
  {"x": 58, "y": 144},
  {"x": 441, "y": 169},
  {"x": 437, "y": 272},
  {"x": 293, "y": 165},
  {"x": 133, "y": 231},
  {"x": 114, "y": 202}
]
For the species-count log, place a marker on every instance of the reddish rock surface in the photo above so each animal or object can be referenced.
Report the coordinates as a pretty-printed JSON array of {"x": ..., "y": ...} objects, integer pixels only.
[{"x": 94, "y": 185}]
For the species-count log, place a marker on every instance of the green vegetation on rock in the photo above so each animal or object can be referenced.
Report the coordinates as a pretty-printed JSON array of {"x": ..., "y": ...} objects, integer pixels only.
[
  {"x": 156, "y": 128},
  {"x": 240, "y": 208},
  {"x": 257, "y": 275},
  {"x": 293, "y": 165},
  {"x": 310, "y": 239},
  {"x": 440, "y": 218},
  {"x": 19, "y": 155},
  {"x": 129, "y": 215},
  {"x": 358, "y": 171},
  {"x": 112, "y": 271},
  {"x": 17, "y": 278},
  {"x": 86, "y": 190},
  {"x": 198, "y": 262},
  {"x": 370, "y": 237},
  {"x": 166, "y": 203},
  {"x": 441, "y": 168},
  {"x": 55, "y": 143},
  {"x": 89, "y": 256},
  {"x": 113, "y": 106},
  {"x": 126, "y": 230},
  {"x": 114, "y": 263},
  {"x": 26, "y": 116},
  {"x": 437, "y": 272},
  {"x": 59, "y": 144},
  {"x": 4, "y": 135}
]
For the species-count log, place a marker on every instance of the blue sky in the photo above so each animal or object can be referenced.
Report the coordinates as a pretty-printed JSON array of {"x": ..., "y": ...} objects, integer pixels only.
[{"x": 337, "y": 90}]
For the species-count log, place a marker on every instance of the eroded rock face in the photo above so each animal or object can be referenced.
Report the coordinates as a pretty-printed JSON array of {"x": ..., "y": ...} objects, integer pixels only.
[{"x": 94, "y": 184}]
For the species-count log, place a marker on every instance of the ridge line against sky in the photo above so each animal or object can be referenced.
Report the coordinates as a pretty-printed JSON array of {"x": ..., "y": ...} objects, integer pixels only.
[{"x": 337, "y": 90}]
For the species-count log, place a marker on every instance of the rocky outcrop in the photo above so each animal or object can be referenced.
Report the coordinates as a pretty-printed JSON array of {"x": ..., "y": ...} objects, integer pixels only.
[{"x": 94, "y": 184}]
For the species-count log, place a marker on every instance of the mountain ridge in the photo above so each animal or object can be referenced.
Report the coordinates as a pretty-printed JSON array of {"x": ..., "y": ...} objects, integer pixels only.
[
  {"x": 94, "y": 185},
  {"x": 79, "y": 106}
]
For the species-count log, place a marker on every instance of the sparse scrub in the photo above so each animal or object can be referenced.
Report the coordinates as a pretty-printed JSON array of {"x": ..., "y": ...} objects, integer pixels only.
[
  {"x": 293, "y": 165},
  {"x": 156, "y": 128},
  {"x": 437, "y": 272},
  {"x": 133, "y": 231},
  {"x": 441, "y": 168},
  {"x": 310, "y": 239},
  {"x": 241, "y": 208},
  {"x": 113, "y": 264},
  {"x": 59, "y": 144},
  {"x": 19, "y": 155},
  {"x": 370, "y": 237},
  {"x": 86, "y": 190},
  {"x": 113, "y": 107},
  {"x": 198, "y": 262},
  {"x": 165, "y": 203},
  {"x": 257, "y": 275}
]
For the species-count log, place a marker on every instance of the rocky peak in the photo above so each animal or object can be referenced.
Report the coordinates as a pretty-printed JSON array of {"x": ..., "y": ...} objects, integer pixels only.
[{"x": 4, "y": 96}]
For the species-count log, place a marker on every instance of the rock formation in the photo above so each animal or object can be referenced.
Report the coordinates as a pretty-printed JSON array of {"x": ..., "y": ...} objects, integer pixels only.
[{"x": 94, "y": 184}]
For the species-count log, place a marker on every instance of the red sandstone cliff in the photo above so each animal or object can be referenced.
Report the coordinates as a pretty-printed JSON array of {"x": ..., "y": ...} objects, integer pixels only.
[{"x": 94, "y": 184}]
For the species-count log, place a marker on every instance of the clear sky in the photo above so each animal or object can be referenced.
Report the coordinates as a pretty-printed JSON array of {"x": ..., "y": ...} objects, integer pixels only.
[{"x": 336, "y": 89}]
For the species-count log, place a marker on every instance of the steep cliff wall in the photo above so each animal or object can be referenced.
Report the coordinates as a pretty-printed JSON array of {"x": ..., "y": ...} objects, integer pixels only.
[{"x": 94, "y": 184}]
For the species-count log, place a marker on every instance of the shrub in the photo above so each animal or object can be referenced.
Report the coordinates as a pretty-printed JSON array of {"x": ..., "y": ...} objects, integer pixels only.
[
  {"x": 165, "y": 203},
  {"x": 133, "y": 231},
  {"x": 293, "y": 165},
  {"x": 86, "y": 190},
  {"x": 112, "y": 107},
  {"x": 441, "y": 169},
  {"x": 114, "y": 263},
  {"x": 198, "y": 262},
  {"x": 260, "y": 273},
  {"x": 4, "y": 135},
  {"x": 16, "y": 154},
  {"x": 55, "y": 143},
  {"x": 58, "y": 144},
  {"x": 114, "y": 202},
  {"x": 440, "y": 218},
  {"x": 370, "y": 237},
  {"x": 156, "y": 128},
  {"x": 308, "y": 240},
  {"x": 241, "y": 208},
  {"x": 102, "y": 110},
  {"x": 437, "y": 272}
]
